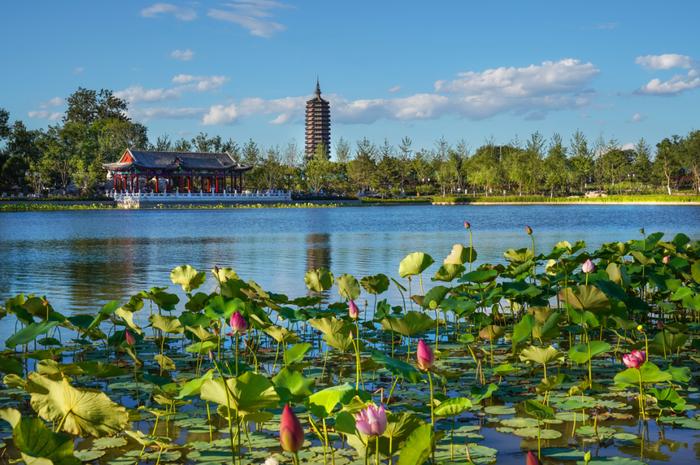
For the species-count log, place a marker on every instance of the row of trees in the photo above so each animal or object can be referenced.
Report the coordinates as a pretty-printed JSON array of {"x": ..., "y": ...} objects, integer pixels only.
[{"x": 67, "y": 157}]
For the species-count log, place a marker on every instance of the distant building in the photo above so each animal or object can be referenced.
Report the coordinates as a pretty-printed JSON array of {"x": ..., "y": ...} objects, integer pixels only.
[{"x": 318, "y": 125}]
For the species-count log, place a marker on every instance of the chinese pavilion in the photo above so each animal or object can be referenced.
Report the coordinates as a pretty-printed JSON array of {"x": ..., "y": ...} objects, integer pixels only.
[
  {"x": 318, "y": 124},
  {"x": 145, "y": 171}
]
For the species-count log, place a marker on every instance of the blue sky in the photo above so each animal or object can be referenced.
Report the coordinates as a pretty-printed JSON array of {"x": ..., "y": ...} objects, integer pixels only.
[{"x": 463, "y": 70}]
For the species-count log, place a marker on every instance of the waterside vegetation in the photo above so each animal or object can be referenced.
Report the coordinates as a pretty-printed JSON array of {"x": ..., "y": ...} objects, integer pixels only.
[{"x": 574, "y": 354}]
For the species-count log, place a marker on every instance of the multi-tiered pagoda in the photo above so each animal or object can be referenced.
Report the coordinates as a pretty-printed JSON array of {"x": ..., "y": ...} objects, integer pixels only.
[{"x": 318, "y": 125}]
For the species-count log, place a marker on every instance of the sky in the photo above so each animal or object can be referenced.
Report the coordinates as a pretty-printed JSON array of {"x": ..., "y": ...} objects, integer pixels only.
[{"x": 463, "y": 70}]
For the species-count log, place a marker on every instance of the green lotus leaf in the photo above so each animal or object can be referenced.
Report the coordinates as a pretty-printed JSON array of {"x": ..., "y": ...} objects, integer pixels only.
[
  {"x": 167, "y": 324},
  {"x": 491, "y": 332},
  {"x": 453, "y": 407},
  {"x": 247, "y": 394},
  {"x": 585, "y": 297},
  {"x": 668, "y": 398},
  {"x": 580, "y": 352},
  {"x": 187, "y": 277},
  {"x": 318, "y": 280},
  {"x": 479, "y": 276},
  {"x": 411, "y": 324},
  {"x": 38, "y": 445},
  {"x": 417, "y": 447},
  {"x": 80, "y": 411},
  {"x": 448, "y": 272},
  {"x": 537, "y": 409},
  {"x": 294, "y": 383},
  {"x": 414, "y": 264},
  {"x": 397, "y": 367},
  {"x": 323, "y": 402},
  {"x": 434, "y": 297},
  {"x": 541, "y": 355},
  {"x": 193, "y": 387},
  {"x": 375, "y": 284},
  {"x": 128, "y": 318},
  {"x": 296, "y": 353},
  {"x": 29, "y": 333},
  {"x": 348, "y": 287},
  {"x": 650, "y": 374},
  {"x": 336, "y": 333}
]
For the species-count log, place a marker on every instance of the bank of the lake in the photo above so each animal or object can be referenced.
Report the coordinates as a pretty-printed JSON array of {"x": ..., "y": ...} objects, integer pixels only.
[{"x": 107, "y": 204}]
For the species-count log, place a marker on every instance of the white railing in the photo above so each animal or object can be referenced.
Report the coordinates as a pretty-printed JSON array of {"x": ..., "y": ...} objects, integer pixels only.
[{"x": 245, "y": 196}]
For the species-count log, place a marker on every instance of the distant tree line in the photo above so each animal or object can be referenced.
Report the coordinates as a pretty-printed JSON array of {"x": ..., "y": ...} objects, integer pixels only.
[{"x": 67, "y": 158}]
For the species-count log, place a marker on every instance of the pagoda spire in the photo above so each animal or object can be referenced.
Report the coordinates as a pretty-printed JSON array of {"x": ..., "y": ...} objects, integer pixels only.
[{"x": 318, "y": 88}]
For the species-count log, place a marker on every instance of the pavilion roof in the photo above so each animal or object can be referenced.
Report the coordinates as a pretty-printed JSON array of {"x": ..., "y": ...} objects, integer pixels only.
[{"x": 173, "y": 160}]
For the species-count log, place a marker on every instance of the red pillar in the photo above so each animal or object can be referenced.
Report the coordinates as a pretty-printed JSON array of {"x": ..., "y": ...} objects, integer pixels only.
[
  {"x": 189, "y": 183},
  {"x": 216, "y": 188},
  {"x": 156, "y": 184}
]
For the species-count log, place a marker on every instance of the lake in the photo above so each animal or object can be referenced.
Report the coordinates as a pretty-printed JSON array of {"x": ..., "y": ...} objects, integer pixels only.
[{"x": 81, "y": 259}]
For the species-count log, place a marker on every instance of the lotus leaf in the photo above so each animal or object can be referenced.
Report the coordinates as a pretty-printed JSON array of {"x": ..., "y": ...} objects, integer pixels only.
[
  {"x": 248, "y": 393},
  {"x": 414, "y": 264},
  {"x": 78, "y": 411},
  {"x": 187, "y": 277}
]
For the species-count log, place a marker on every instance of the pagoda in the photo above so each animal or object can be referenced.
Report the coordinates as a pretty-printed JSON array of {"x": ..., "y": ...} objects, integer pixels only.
[{"x": 318, "y": 124}]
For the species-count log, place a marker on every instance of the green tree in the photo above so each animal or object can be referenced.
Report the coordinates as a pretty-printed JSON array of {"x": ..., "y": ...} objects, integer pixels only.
[
  {"x": 557, "y": 171},
  {"x": 667, "y": 164},
  {"x": 692, "y": 158},
  {"x": 581, "y": 160}
]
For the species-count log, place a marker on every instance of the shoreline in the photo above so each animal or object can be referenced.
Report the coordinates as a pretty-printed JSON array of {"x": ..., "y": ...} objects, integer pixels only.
[{"x": 19, "y": 207}]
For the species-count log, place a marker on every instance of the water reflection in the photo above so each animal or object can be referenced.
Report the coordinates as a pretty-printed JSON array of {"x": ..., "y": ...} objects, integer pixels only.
[{"x": 318, "y": 251}]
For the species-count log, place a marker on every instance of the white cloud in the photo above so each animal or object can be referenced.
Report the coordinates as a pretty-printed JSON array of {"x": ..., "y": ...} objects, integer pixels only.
[
  {"x": 221, "y": 114},
  {"x": 638, "y": 117},
  {"x": 675, "y": 85},
  {"x": 628, "y": 146},
  {"x": 134, "y": 94},
  {"x": 665, "y": 61},
  {"x": 200, "y": 83},
  {"x": 253, "y": 15},
  {"x": 394, "y": 89},
  {"x": 45, "y": 114},
  {"x": 181, "y": 13},
  {"x": 78, "y": 70},
  {"x": 182, "y": 55},
  {"x": 187, "y": 83}
]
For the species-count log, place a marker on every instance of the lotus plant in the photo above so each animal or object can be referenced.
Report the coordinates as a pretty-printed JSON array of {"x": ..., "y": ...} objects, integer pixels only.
[
  {"x": 354, "y": 313},
  {"x": 635, "y": 360},
  {"x": 238, "y": 327},
  {"x": 425, "y": 359},
  {"x": 291, "y": 433},
  {"x": 588, "y": 267},
  {"x": 371, "y": 421}
]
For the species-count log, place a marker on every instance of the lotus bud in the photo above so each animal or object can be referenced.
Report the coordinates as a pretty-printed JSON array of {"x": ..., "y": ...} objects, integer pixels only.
[
  {"x": 467, "y": 225},
  {"x": 528, "y": 230},
  {"x": 532, "y": 459},
  {"x": 291, "y": 432},
  {"x": 425, "y": 356},
  {"x": 588, "y": 266},
  {"x": 666, "y": 260},
  {"x": 353, "y": 311},
  {"x": 238, "y": 323},
  {"x": 640, "y": 328},
  {"x": 634, "y": 359},
  {"x": 130, "y": 339},
  {"x": 371, "y": 421}
]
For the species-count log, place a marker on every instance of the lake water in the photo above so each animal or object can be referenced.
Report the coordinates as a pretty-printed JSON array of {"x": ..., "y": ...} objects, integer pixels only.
[{"x": 81, "y": 259}]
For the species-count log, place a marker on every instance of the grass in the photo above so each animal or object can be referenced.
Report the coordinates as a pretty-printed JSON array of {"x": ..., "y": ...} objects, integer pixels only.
[{"x": 392, "y": 201}]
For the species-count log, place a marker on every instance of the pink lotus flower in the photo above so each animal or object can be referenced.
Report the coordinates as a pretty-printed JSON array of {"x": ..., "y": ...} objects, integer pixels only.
[
  {"x": 353, "y": 311},
  {"x": 532, "y": 459},
  {"x": 371, "y": 420},
  {"x": 291, "y": 432},
  {"x": 425, "y": 356},
  {"x": 588, "y": 266},
  {"x": 130, "y": 339},
  {"x": 238, "y": 323},
  {"x": 634, "y": 359},
  {"x": 467, "y": 225},
  {"x": 666, "y": 260}
]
